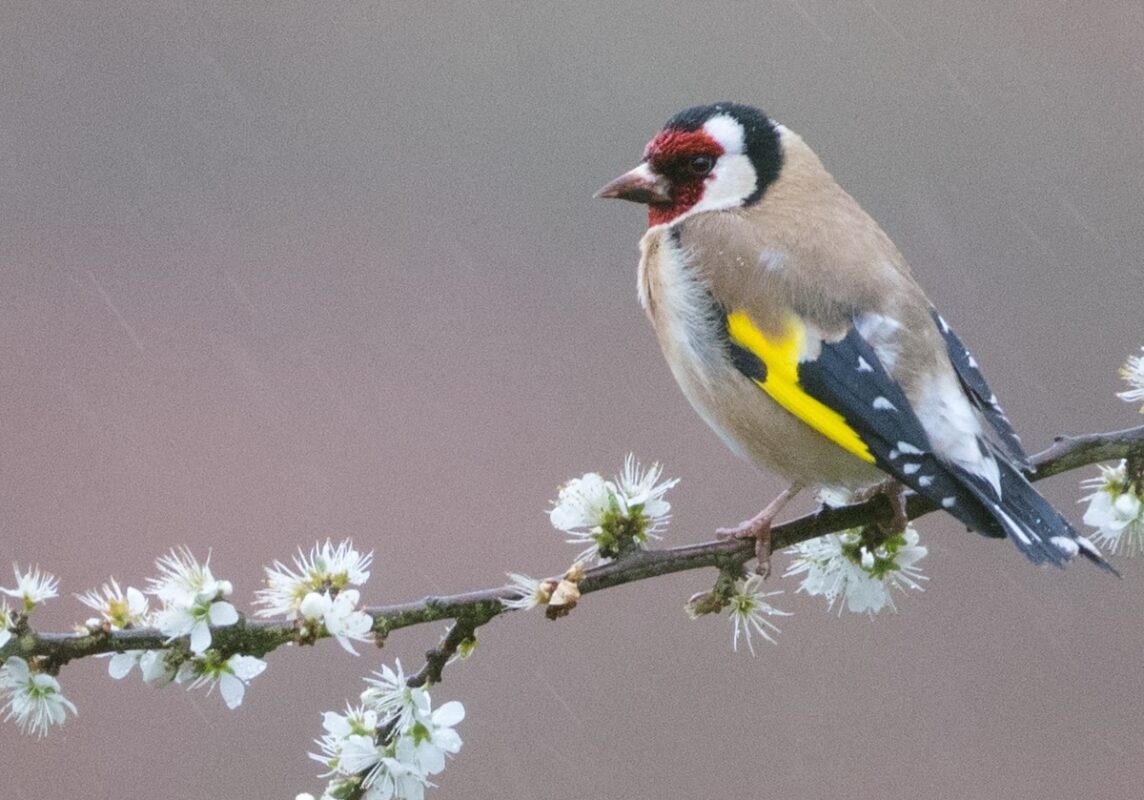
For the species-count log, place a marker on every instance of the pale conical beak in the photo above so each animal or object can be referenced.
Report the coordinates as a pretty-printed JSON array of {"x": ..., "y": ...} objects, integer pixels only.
[{"x": 640, "y": 185}]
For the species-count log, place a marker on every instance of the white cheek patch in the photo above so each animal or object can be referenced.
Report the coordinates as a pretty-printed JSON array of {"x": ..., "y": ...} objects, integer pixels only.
[
  {"x": 732, "y": 182},
  {"x": 733, "y": 179}
]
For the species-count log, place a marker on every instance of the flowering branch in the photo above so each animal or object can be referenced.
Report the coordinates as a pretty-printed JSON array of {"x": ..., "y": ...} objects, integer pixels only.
[
  {"x": 391, "y": 743},
  {"x": 1066, "y": 453},
  {"x": 474, "y": 609}
]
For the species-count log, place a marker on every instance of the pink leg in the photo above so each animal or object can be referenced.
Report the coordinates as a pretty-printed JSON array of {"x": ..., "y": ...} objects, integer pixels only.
[{"x": 758, "y": 528}]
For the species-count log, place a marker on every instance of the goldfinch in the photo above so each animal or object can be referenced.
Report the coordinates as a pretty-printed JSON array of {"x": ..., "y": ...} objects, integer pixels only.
[{"x": 794, "y": 327}]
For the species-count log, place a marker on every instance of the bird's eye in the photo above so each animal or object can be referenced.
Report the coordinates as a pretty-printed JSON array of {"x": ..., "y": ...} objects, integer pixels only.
[{"x": 700, "y": 165}]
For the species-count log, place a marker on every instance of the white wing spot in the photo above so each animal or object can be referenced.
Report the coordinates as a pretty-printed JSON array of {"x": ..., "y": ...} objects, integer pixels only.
[
  {"x": 925, "y": 481},
  {"x": 910, "y": 469},
  {"x": 864, "y": 365},
  {"x": 909, "y": 449},
  {"x": 973, "y": 363},
  {"x": 947, "y": 502},
  {"x": 882, "y": 404},
  {"x": 1089, "y": 547},
  {"x": 1065, "y": 545},
  {"x": 944, "y": 325}
]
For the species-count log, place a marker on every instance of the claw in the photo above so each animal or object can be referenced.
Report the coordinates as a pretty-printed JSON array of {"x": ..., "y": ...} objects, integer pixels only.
[
  {"x": 758, "y": 528},
  {"x": 895, "y": 494},
  {"x": 897, "y": 497}
]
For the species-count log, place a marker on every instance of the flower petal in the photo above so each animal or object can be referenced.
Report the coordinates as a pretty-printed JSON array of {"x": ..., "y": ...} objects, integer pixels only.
[
  {"x": 200, "y": 638},
  {"x": 449, "y": 714},
  {"x": 231, "y": 689},
  {"x": 223, "y": 613}
]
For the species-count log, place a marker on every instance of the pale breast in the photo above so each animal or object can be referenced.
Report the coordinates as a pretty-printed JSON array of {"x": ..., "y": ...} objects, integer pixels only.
[{"x": 691, "y": 331}]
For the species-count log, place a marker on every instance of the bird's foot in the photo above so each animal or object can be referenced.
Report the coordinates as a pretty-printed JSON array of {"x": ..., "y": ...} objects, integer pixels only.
[
  {"x": 895, "y": 494},
  {"x": 758, "y": 528}
]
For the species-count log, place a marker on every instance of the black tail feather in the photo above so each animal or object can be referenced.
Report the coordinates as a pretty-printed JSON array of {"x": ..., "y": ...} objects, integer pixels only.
[{"x": 1030, "y": 521}]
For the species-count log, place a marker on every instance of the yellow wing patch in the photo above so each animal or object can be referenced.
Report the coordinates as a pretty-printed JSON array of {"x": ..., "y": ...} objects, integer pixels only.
[{"x": 780, "y": 356}]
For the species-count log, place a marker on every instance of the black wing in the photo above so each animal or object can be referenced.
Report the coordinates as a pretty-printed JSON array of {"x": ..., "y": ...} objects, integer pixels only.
[
  {"x": 983, "y": 399},
  {"x": 849, "y": 378}
]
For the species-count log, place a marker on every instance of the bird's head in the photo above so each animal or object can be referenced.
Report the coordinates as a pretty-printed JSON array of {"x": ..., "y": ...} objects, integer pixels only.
[{"x": 706, "y": 158}]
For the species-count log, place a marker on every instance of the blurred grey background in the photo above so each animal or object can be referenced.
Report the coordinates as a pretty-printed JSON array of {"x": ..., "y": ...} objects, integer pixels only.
[{"x": 271, "y": 272}]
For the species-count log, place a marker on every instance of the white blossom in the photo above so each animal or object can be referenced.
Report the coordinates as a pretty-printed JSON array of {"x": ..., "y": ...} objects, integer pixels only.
[
  {"x": 327, "y": 567},
  {"x": 749, "y": 612},
  {"x": 7, "y": 622},
  {"x": 241, "y": 670},
  {"x": 32, "y": 587},
  {"x": 184, "y": 580},
  {"x": 389, "y": 745},
  {"x": 360, "y": 754},
  {"x": 394, "y": 776},
  {"x": 582, "y": 503},
  {"x": 390, "y": 695},
  {"x": 435, "y": 738},
  {"x": 839, "y": 565},
  {"x": 1116, "y": 510},
  {"x": 1133, "y": 373},
  {"x": 643, "y": 490},
  {"x": 360, "y": 719},
  {"x": 192, "y": 599},
  {"x": 350, "y": 748},
  {"x": 117, "y": 609},
  {"x": 610, "y": 516},
  {"x": 195, "y": 621},
  {"x": 530, "y": 592},
  {"x": 339, "y": 616},
  {"x": 152, "y": 665},
  {"x": 32, "y": 699},
  {"x": 119, "y": 665},
  {"x": 232, "y": 676},
  {"x": 357, "y": 721}
]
